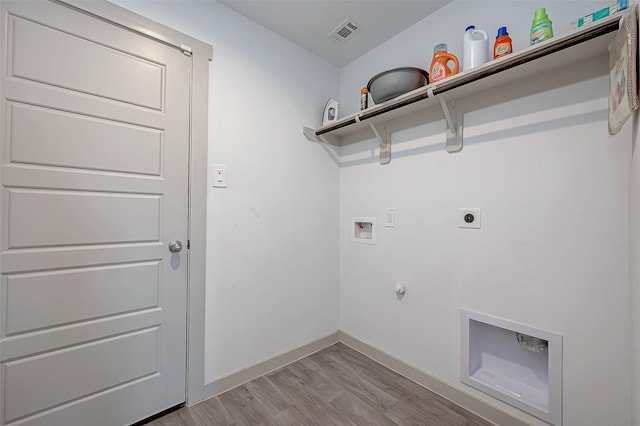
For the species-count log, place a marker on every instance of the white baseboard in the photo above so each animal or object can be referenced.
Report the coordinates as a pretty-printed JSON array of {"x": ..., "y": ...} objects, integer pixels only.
[
  {"x": 245, "y": 375},
  {"x": 465, "y": 400}
]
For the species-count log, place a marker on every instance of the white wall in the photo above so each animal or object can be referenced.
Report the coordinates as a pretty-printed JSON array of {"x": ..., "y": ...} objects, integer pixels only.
[
  {"x": 552, "y": 185},
  {"x": 553, "y": 249},
  {"x": 272, "y": 270}
]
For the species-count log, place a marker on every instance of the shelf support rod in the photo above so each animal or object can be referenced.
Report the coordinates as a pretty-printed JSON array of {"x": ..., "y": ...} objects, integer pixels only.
[
  {"x": 384, "y": 138},
  {"x": 449, "y": 109}
]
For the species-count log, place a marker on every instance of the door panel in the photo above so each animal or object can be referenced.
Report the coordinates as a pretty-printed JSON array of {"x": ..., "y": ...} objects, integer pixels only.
[
  {"x": 43, "y": 54},
  {"x": 24, "y": 345},
  {"x": 37, "y": 301},
  {"x": 94, "y": 166},
  {"x": 136, "y": 354},
  {"x": 97, "y": 218},
  {"x": 79, "y": 141}
]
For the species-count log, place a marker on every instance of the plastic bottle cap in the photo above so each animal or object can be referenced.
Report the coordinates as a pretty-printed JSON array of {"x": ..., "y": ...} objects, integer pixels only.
[
  {"x": 541, "y": 14},
  {"x": 470, "y": 27},
  {"x": 364, "y": 91},
  {"x": 502, "y": 31},
  {"x": 441, "y": 46}
]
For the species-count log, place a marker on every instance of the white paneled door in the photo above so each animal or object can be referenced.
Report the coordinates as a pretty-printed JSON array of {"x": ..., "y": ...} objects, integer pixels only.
[{"x": 94, "y": 188}]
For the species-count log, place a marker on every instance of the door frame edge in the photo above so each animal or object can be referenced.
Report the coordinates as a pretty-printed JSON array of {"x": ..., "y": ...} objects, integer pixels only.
[{"x": 198, "y": 168}]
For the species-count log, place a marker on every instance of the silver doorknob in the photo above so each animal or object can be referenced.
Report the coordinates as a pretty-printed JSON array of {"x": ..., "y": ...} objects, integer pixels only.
[{"x": 175, "y": 246}]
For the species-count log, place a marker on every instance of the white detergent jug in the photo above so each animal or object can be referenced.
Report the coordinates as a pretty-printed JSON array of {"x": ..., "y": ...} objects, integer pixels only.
[{"x": 476, "y": 48}]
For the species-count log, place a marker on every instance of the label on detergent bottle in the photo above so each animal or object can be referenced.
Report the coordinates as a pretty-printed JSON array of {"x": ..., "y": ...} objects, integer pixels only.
[
  {"x": 502, "y": 49},
  {"x": 540, "y": 33},
  {"x": 437, "y": 72}
]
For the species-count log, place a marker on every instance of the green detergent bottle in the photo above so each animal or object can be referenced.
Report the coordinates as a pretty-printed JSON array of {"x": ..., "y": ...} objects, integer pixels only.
[{"x": 541, "y": 29}]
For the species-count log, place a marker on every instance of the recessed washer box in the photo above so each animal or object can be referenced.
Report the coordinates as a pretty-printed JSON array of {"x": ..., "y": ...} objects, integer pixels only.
[
  {"x": 515, "y": 363},
  {"x": 363, "y": 230}
]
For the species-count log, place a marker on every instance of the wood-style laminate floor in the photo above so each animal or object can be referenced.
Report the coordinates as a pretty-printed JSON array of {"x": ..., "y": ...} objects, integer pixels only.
[{"x": 336, "y": 386}]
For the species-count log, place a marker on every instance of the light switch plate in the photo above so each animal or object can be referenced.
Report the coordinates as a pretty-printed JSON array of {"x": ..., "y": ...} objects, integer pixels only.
[
  {"x": 469, "y": 218},
  {"x": 219, "y": 175},
  {"x": 390, "y": 217}
]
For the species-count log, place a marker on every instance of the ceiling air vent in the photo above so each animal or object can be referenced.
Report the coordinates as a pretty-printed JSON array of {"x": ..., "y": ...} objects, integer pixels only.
[{"x": 345, "y": 31}]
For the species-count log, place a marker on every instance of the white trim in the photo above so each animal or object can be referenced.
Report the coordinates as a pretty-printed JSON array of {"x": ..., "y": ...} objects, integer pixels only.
[
  {"x": 463, "y": 399},
  {"x": 455, "y": 395},
  {"x": 201, "y": 56},
  {"x": 197, "y": 224},
  {"x": 132, "y": 21},
  {"x": 245, "y": 375}
]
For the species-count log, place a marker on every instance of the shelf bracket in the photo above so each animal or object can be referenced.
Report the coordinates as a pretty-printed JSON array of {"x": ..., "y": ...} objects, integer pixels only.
[
  {"x": 453, "y": 118},
  {"x": 454, "y": 125},
  {"x": 382, "y": 133}
]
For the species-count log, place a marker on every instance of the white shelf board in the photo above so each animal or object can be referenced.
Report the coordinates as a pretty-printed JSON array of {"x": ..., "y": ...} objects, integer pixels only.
[{"x": 582, "y": 44}]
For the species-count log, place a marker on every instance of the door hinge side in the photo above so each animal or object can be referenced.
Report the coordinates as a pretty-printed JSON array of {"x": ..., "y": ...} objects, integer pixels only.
[{"x": 188, "y": 244}]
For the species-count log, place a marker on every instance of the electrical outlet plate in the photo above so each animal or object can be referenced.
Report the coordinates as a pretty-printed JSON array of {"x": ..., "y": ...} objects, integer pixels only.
[
  {"x": 469, "y": 218},
  {"x": 219, "y": 172}
]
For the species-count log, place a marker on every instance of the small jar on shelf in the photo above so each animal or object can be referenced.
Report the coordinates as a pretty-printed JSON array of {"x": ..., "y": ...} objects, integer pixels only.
[{"x": 364, "y": 98}]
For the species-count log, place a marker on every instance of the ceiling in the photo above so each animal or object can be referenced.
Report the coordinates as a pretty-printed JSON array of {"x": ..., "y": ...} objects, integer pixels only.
[{"x": 308, "y": 23}]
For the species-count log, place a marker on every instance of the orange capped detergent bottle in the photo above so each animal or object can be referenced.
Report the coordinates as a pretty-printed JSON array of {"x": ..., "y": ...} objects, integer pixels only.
[
  {"x": 439, "y": 68},
  {"x": 503, "y": 45}
]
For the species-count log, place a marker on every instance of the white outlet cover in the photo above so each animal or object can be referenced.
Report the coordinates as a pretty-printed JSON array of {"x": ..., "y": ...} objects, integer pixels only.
[
  {"x": 470, "y": 218},
  {"x": 219, "y": 175}
]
